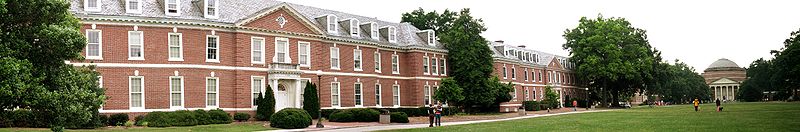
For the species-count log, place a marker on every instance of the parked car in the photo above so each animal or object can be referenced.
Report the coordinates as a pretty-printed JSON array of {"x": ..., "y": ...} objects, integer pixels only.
[{"x": 625, "y": 104}]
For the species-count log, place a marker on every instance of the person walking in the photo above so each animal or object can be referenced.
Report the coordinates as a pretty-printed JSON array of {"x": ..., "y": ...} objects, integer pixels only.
[
  {"x": 574, "y": 105},
  {"x": 439, "y": 114},
  {"x": 718, "y": 104},
  {"x": 696, "y": 103},
  {"x": 431, "y": 112}
]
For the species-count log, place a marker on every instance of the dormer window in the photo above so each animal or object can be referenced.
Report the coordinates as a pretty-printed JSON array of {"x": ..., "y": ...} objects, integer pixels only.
[
  {"x": 92, "y": 5},
  {"x": 431, "y": 38},
  {"x": 354, "y": 29},
  {"x": 392, "y": 34},
  {"x": 374, "y": 31},
  {"x": 172, "y": 7},
  {"x": 332, "y": 25},
  {"x": 133, "y": 6},
  {"x": 211, "y": 7}
]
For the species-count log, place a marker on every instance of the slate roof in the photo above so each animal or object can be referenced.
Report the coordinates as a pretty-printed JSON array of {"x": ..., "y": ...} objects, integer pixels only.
[
  {"x": 233, "y": 11},
  {"x": 499, "y": 49}
]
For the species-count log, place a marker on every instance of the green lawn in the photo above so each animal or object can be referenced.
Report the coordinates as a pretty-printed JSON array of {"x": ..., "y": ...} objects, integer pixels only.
[
  {"x": 761, "y": 117},
  {"x": 236, "y": 127}
]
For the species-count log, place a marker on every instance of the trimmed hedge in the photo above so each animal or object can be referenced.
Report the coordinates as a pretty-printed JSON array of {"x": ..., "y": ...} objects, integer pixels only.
[
  {"x": 118, "y": 119},
  {"x": 410, "y": 112},
  {"x": 22, "y": 118},
  {"x": 399, "y": 117},
  {"x": 219, "y": 116},
  {"x": 139, "y": 120},
  {"x": 531, "y": 105},
  {"x": 355, "y": 115},
  {"x": 290, "y": 118},
  {"x": 186, "y": 118},
  {"x": 241, "y": 117}
]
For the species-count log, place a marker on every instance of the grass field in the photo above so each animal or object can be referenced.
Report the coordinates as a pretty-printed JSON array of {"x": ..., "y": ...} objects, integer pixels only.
[
  {"x": 761, "y": 117},
  {"x": 236, "y": 127}
]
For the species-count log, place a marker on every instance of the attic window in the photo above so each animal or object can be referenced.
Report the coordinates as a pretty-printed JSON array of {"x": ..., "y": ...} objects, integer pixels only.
[
  {"x": 392, "y": 34},
  {"x": 374, "y": 31},
  {"x": 92, "y": 5},
  {"x": 133, "y": 6},
  {"x": 172, "y": 7},
  {"x": 211, "y": 8},
  {"x": 431, "y": 38},
  {"x": 332, "y": 24},
  {"x": 354, "y": 29}
]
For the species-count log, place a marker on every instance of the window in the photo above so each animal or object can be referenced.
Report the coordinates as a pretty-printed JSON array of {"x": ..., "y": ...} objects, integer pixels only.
[
  {"x": 172, "y": 7},
  {"x": 354, "y": 29},
  {"x": 396, "y": 95},
  {"x": 176, "y": 92},
  {"x": 257, "y": 50},
  {"x": 377, "y": 56},
  {"x": 257, "y": 86},
  {"x": 133, "y": 6},
  {"x": 175, "y": 47},
  {"x": 442, "y": 67},
  {"x": 427, "y": 91},
  {"x": 281, "y": 50},
  {"x": 94, "y": 45},
  {"x": 92, "y": 5},
  {"x": 212, "y": 86},
  {"x": 357, "y": 60},
  {"x": 431, "y": 38},
  {"x": 395, "y": 64},
  {"x": 526, "y": 74},
  {"x": 533, "y": 73},
  {"x": 513, "y": 93},
  {"x": 425, "y": 68},
  {"x": 136, "y": 92},
  {"x": 392, "y": 35},
  {"x": 212, "y": 48},
  {"x": 434, "y": 66},
  {"x": 534, "y": 94},
  {"x": 550, "y": 77},
  {"x": 303, "y": 48},
  {"x": 540, "y": 76},
  {"x": 527, "y": 95},
  {"x": 374, "y": 31},
  {"x": 135, "y": 45},
  {"x": 513, "y": 72},
  {"x": 505, "y": 72},
  {"x": 332, "y": 24},
  {"x": 335, "y": 58},
  {"x": 358, "y": 92},
  {"x": 211, "y": 8},
  {"x": 377, "y": 94},
  {"x": 335, "y": 94}
]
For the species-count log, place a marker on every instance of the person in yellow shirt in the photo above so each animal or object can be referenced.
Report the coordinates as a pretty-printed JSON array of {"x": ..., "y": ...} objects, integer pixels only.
[{"x": 696, "y": 103}]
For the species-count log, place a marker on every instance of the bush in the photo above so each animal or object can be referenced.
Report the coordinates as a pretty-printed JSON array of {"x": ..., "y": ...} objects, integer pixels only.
[
  {"x": 103, "y": 119},
  {"x": 202, "y": 117},
  {"x": 129, "y": 123},
  {"x": 139, "y": 120},
  {"x": 159, "y": 119},
  {"x": 290, "y": 118},
  {"x": 327, "y": 112},
  {"x": 218, "y": 116},
  {"x": 530, "y": 105},
  {"x": 399, "y": 117},
  {"x": 118, "y": 119},
  {"x": 266, "y": 105},
  {"x": 241, "y": 117},
  {"x": 310, "y": 100},
  {"x": 355, "y": 115},
  {"x": 184, "y": 118}
]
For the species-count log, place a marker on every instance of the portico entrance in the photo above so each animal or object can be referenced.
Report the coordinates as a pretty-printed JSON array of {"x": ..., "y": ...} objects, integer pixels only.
[{"x": 285, "y": 80}]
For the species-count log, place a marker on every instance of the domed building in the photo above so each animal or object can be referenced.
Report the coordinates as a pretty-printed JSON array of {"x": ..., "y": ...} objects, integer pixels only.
[{"x": 724, "y": 78}]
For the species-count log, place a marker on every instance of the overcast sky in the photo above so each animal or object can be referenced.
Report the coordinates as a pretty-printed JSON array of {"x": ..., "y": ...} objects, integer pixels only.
[{"x": 696, "y": 32}]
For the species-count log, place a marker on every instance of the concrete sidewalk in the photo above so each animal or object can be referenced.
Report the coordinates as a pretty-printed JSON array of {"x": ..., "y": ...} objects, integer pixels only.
[{"x": 408, "y": 126}]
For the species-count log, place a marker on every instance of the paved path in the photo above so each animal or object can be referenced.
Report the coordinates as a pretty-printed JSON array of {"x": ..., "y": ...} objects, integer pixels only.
[{"x": 408, "y": 126}]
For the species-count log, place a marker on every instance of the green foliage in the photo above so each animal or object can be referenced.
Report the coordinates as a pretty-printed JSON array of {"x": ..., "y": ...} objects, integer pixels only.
[
  {"x": 780, "y": 76},
  {"x": 217, "y": 116},
  {"x": 530, "y": 105},
  {"x": 290, "y": 118},
  {"x": 159, "y": 119},
  {"x": 550, "y": 97},
  {"x": 310, "y": 100},
  {"x": 202, "y": 117},
  {"x": 449, "y": 91},
  {"x": 266, "y": 105},
  {"x": 241, "y": 117},
  {"x": 355, "y": 115},
  {"x": 678, "y": 83},
  {"x": 118, "y": 119},
  {"x": 184, "y": 118},
  {"x": 102, "y": 120},
  {"x": 129, "y": 123},
  {"x": 398, "y": 117},
  {"x": 140, "y": 120}
]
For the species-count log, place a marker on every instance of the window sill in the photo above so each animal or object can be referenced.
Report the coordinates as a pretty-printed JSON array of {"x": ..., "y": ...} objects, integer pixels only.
[
  {"x": 135, "y": 58},
  {"x": 94, "y": 58},
  {"x": 212, "y": 61},
  {"x": 335, "y": 68},
  {"x": 309, "y": 66},
  {"x": 377, "y": 71},
  {"x": 175, "y": 59},
  {"x": 177, "y": 108},
  {"x": 395, "y": 72},
  {"x": 358, "y": 70},
  {"x": 259, "y": 63}
]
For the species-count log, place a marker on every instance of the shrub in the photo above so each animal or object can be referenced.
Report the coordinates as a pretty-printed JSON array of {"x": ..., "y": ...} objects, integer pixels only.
[
  {"x": 241, "y": 117},
  {"x": 530, "y": 105},
  {"x": 266, "y": 105},
  {"x": 184, "y": 118},
  {"x": 139, "y": 120},
  {"x": 310, "y": 100},
  {"x": 129, "y": 123},
  {"x": 103, "y": 119},
  {"x": 159, "y": 119},
  {"x": 326, "y": 113},
  {"x": 290, "y": 118},
  {"x": 399, "y": 117},
  {"x": 202, "y": 117},
  {"x": 218, "y": 116},
  {"x": 355, "y": 115},
  {"x": 118, "y": 119}
]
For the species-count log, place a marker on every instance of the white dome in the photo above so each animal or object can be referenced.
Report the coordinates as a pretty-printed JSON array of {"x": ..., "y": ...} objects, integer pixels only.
[{"x": 723, "y": 63}]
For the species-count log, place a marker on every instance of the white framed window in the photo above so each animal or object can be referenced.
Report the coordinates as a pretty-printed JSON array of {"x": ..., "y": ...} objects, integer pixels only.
[
  {"x": 425, "y": 68},
  {"x": 335, "y": 94},
  {"x": 396, "y": 95},
  {"x": 392, "y": 34},
  {"x": 100, "y": 81},
  {"x": 434, "y": 66},
  {"x": 357, "y": 60},
  {"x": 212, "y": 7},
  {"x": 378, "y": 94},
  {"x": 359, "y": 99},
  {"x": 333, "y": 25},
  {"x": 135, "y": 45},
  {"x": 395, "y": 64},
  {"x": 175, "y": 47},
  {"x": 442, "y": 67},
  {"x": 94, "y": 45},
  {"x": 303, "y": 56},
  {"x": 431, "y": 38},
  {"x": 212, "y": 88},
  {"x": 355, "y": 30},
  {"x": 514, "y": 93},
  {"x": 374, "y": 31},
  {"x": 212, "y": 48},
  {"x": 136, "y": 93},
  {"x": 427, "y": 92},
  {"x": 526, "y": 74},
  {"x": 133, "y": 6},
  {"x": 550, "y": 77},
  {"x": 533, "y": 73},
  {"x": 257, "y": 50},
  {"x": 257, "y": 86},
  {"x": 335, "y": 58},
  {"x": 176, "y": 92},
  {"x": 534, "y": 93},
  {"x": 377, "y": 59},
  {"x": 527, "y": 95},
  {"x": 541, "y": 78},
  {"x": 505, "y": 72},
  {"x": 514, "y": 72},
  {"x": 172, "y": 7},
  {"x": 281, "y": 50},
  {"x": 92, "y": 5}
]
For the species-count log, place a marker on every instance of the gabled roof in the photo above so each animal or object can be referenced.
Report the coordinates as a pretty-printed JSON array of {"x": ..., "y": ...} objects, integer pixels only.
[{"x": 498, "y": 50}]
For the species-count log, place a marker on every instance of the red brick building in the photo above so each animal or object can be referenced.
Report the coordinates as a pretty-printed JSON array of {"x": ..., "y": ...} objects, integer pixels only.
[{"x": 168, "y": 55}]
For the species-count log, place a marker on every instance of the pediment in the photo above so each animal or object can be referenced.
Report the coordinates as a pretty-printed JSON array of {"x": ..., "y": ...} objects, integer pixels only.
[
  {"x": 280, "y": 18},
  {"x": 724, "y": 81}
]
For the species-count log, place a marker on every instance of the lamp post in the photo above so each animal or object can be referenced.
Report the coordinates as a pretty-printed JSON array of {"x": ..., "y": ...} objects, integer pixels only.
[
  {"x": 319, "y": 99},
  {"x": 587, "y": 98}
]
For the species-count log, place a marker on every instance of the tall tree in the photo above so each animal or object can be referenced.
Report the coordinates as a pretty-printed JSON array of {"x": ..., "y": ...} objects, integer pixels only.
[
  {"x": 310, "y": 100},
  {"x": 266, "y": 105},
  {"x": 34, "y": 43},
  {"x": 612, "y": 55},
  {"x": 449, "y": 92},
  {"x": 787, "y": 66}
]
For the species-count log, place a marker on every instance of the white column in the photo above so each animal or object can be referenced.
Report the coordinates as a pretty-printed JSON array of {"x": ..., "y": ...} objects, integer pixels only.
[{"x": 297, "y": 91}]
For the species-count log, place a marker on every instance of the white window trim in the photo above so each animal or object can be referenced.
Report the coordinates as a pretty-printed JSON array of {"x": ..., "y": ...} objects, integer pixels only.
[
  {"x": 426, "y": 68},
  {"x": 527, "y": 94},
  {"x": 180, "y": 47},
  {"x": 339, "y": 94},
  {"x": 216, "y": 60},
  {"x": 358, "y": 55},
  {"x": 513, "y": 72},
  {"x": 216, "y": 79},
  {"x": 261, "y": 89},
  {"x": 183, "y": 94},
  {"x": 354, "y": 24},
  {"x": 252, "y": 41},
  {"x": 526, "y": 74},
  {"x": 338, "y": 58},
  {"x": 443, "y": 72},
  {"x": 395, "y": 64},
  {"x": 515, "y": 93},
  {"x": 377, "y": 61},
  {"x": 177, "y": 6},
  {"x": 378, "y": 90},
  {"x": 427, "y": 95},
  {"x": 216, "y": 9},
  {"x": 130, "y": 100},
  {"x": 374, "y": 32},
  {"x": 287, "y": 57},
  {"x": 398, "y": 99},
  {"x": 335, "y": 21},
  {"x": 308, "y": 53},
  {"x": 431, "y": 38},
  {"x": 99, "y": 44},
  {"x": 434, "y": 66},
  {"x": 138, "y": 7},
  {"x": 141, "y": 41},
  {"x": 505, "y": 72},
  {"x": 90, "y": 9},
  {"x": 392, "y": 34},
  {"x": 361, "y": 99}
]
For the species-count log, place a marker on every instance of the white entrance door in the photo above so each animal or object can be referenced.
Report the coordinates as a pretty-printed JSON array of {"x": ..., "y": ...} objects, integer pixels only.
[{"x": 281, "y": 97}]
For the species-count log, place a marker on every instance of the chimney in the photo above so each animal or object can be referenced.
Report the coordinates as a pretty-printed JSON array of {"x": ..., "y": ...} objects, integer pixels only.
[
  {"x": 499, "y": 41},
  {"x": 521, "y": 46}
]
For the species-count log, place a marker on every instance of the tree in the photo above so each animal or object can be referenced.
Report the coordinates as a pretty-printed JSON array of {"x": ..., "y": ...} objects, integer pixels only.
[
  {"x": 550, "y": 97},
  {"x": 449, "y": 91},
  {"x": 787, "y": 67},
  {"x": 34, "y": 42},
  {"x": 614, "y": 57},
  {"x": 266, "y": 105},
  {"x": 310, "y": 100}
]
